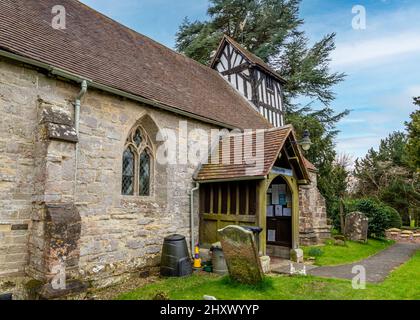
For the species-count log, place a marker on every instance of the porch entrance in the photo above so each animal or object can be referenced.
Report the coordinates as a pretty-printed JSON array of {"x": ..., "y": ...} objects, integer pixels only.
[
  {"x": 237, "y": 192},
  {"x": 279, "y": 218}
]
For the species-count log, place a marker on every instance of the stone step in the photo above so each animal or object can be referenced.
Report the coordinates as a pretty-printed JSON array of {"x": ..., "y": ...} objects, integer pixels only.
[{"x": 292, "y": 268}]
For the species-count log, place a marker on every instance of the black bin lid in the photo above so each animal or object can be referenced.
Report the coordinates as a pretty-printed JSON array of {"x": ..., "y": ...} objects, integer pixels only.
[
  {"x": 175, "y": 237},
  {"x": 253, "y": 229}
]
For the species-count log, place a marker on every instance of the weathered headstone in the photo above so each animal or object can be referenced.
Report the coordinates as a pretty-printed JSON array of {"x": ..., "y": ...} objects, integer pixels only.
[
  {"x": 356, "y": 226},
  {"x": 241, "y": 254}
]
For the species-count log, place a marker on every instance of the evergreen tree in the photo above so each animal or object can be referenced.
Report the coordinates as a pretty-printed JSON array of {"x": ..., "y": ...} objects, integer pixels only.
[
  {"x": 332, "y": 176},
  {"x": 413, "y": 145},
  {"x": 386, "y": 175},
  {"x": 378, "y": 168},
  {"x": 271, "y": 30},
  {"x": 262, "y": 27}
]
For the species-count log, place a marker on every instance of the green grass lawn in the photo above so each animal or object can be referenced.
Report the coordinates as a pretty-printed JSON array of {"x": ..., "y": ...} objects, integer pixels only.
[
  {"x": 403, "y": 283},
  {"x": 352, "y": 252}
]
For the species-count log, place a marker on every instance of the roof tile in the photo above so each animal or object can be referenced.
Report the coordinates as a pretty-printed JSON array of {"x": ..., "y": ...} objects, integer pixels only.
[
  {"x": 98, "y": 48},
  {"x": 220, "y": 169}
]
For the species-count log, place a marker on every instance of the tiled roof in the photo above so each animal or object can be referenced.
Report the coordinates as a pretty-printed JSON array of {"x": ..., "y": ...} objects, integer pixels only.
[
  {"x": 274, "y": 140},
  {"x": 99, "y": 49},
  {"x": 252, "y": 58}
]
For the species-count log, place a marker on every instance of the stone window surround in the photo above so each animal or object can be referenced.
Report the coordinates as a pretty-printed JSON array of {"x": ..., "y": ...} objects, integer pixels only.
[{"x": 145, "y": 145}]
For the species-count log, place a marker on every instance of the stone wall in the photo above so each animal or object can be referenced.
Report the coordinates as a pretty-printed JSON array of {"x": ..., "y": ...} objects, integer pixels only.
[
  {"x": 313, "y": 225},
  {"x": 18, "y": 121},
  {"x": 406, "y": 236},
  {"x": 118, "y": 234},
  {"x": 125, "y": 233}
]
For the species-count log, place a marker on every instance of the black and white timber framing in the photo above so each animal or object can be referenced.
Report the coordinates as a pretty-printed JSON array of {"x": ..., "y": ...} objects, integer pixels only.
[{"x": 257, "y": 84}]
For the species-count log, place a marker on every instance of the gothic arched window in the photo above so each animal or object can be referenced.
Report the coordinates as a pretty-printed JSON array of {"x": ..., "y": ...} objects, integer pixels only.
[{"x": 137, "y": 164}]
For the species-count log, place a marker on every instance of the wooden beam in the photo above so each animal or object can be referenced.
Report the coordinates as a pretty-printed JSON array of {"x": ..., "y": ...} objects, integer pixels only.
[
  {"x": 228, "y": 199},
  {"x": 236, "y": 69},
  {"x": 262, "y": 214},
  {"x": 296, "y": 152},
  {"x": 237, "y": 199},
  {"x": 219, "y": 199},
  {"x": 211, "y": 198},
  {"x": 247, "y": 199},
  {"x": 270, "y": 107},
  {"x": 224, "y": 217},
  {"x": 303, "y": 181}
]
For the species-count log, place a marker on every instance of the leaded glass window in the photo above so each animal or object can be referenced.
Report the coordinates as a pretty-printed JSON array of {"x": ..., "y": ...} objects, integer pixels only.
[
  {"x": 137, "y": 164},
  {"x": 144, "y": 176},
  {"x": 138, "y": 138},
  {"x": 128, "y": 172}
]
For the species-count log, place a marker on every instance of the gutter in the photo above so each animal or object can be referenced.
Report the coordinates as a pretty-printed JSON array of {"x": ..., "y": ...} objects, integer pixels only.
[
  {"x": 77, "y": 78},
  {"x": 232, "y": 179}
]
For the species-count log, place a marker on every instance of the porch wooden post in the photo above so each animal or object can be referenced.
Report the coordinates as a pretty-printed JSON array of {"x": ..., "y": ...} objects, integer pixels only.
[
  {"x": 261, "y": 213},
  {"x": 292, "y": 182}
]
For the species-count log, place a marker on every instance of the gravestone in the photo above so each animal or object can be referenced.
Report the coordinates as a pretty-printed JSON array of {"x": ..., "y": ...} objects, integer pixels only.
[
  {"x": 241, "y": 255},
  {"x": 356, "y": 226}
]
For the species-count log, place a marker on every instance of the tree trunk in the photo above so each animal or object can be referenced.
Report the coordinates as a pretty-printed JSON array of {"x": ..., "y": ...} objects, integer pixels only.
[{"x": 342, "y": 223}]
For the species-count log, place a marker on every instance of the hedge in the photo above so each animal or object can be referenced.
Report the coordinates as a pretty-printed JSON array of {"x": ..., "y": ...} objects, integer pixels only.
[{"x": 381, "y": 217}]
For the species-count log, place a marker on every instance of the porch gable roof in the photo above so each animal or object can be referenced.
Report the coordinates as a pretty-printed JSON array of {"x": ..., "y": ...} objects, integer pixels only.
[{"x": 221, "y": 164}]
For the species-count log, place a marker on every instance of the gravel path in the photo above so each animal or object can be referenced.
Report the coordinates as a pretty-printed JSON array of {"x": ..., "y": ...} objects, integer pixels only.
[{"x": 377, "y": 266}]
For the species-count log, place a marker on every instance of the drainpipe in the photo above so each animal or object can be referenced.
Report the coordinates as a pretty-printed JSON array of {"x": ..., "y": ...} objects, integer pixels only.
[
  {"x": 197, "y": 186},
  {"x": 76, "y": 126}
]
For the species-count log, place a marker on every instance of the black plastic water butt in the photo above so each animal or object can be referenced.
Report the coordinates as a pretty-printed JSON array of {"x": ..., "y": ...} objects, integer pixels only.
[
  {"x": 6, "y": 296},
  {"x": 175, "y": 261}
]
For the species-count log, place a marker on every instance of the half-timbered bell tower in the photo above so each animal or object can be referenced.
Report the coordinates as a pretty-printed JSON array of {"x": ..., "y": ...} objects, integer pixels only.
[{"x": 252, "y": 77}]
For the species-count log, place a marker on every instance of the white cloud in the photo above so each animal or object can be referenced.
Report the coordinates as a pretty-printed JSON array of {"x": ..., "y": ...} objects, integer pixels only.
[
  {"x": 352, "y": 120},
  {"x": 374, "y": 50},
  {"x": 357, "y": 147},
  {"x": 414, "y": 91}
]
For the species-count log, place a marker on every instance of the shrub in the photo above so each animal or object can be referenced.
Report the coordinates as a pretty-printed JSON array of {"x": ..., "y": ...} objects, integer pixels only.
[
  {"x": 315, "y": 252},
  {"x": 381, "y": 217},
  {"x": 395, "y": 218},
  {"x": 334, "y": 231}
]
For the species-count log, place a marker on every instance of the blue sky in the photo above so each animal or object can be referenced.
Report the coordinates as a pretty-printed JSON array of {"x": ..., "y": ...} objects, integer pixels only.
[{"x": 382, "y": 61}]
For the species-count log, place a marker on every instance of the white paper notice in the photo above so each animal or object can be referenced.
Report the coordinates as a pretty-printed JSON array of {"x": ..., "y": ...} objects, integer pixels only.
[
  {"x": 287, "y": 212},
  {"x": 270, "y": 211},
  {"x": 275, "y": 194},
  {"x": 282, "y": 188},
  {"x": 278, "y": 210},
  {"x": 271, "y": 235}
]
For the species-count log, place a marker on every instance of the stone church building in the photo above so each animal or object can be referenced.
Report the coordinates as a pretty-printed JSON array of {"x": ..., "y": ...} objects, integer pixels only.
[{"x": 87, "y": 113}]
